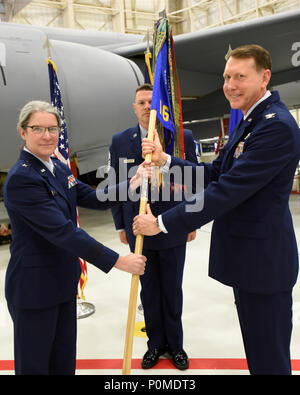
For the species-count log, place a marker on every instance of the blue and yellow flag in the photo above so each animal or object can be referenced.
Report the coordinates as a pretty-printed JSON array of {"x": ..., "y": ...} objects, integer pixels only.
[
  {"x": 161, "y": 100},
  {"x": 166, "y": 98}
]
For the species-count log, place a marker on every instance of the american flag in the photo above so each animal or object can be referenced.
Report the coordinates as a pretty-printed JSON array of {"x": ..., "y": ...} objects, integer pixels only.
[{"x": 62, "y": 151}]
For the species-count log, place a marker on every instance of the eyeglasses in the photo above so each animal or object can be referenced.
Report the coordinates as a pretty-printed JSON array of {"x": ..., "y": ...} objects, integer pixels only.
[{"x": 42, "y": 129}]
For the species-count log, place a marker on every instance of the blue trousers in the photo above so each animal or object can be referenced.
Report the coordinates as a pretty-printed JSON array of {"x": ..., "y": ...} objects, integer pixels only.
[
  {"x": 266, "y": 326},
  {"x": 45, "y": 340},
  {"x": 162, "y": 297}
]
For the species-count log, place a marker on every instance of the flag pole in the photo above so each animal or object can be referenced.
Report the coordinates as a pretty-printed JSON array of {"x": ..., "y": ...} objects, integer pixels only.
[
  {"x": 138, "y": 250},
  {"x": 62, "y": 152}
]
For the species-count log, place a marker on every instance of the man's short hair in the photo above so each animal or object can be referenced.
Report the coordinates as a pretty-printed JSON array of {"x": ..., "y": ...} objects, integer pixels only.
[
  {"x": 260, "y": 55},
  {"x": 144, "y": 87}
]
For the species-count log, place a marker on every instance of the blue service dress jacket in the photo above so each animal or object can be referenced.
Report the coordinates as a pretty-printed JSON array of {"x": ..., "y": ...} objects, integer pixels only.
[
  {"x": 126, "y": 153},
  {"x": 253, "y": 245},
  {"x": 44, "y": 269}
]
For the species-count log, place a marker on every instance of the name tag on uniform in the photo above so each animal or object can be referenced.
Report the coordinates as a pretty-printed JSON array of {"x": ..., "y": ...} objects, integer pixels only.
[
  {"x": 239, "y": 149},
  {"x": 129, "y": 160},
  {"x": 71, "y": 181}
]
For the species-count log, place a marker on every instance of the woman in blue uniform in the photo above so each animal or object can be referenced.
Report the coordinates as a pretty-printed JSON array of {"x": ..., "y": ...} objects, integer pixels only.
[{"x": 41, "y": 196}]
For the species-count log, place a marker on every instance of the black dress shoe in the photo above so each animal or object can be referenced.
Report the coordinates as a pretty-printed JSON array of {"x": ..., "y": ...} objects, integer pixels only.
[
  {"x": 151, "y": 357},
  {"x": 180, "y": 359}
]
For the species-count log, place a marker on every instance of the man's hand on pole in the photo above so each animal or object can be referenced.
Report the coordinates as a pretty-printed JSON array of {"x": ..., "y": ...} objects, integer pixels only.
[
  {"x": 145, "y": 224},
  {"x": 159, "y": 157}
]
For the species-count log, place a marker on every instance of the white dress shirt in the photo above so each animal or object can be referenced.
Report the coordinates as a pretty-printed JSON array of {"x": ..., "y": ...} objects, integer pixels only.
[{"x": 49, "y": 165}]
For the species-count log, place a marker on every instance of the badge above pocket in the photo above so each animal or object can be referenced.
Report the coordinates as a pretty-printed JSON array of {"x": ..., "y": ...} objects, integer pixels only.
[
  {"x": 239, "y": 150},
  {"x": 71, "y": 181}
]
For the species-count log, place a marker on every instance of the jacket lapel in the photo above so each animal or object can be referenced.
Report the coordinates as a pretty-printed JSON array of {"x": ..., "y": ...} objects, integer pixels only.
[
  {"x": 238, "y": 132},
  {"x": 60, "y": 180},
  {"x": 231, "y": 145}
]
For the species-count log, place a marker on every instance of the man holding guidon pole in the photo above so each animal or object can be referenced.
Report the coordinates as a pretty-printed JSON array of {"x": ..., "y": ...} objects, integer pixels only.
[{"x": 253, "y": 244}]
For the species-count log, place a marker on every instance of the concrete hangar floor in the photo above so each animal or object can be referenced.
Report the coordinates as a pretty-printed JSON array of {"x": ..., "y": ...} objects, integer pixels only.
[{"x": 212, "y": 337}]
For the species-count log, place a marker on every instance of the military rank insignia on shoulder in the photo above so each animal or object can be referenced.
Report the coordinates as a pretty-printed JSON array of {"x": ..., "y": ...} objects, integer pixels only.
[{"x": 270, "y": 115}]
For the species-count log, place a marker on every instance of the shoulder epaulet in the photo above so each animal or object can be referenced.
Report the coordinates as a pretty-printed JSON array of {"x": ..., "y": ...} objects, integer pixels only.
[
  {"x": 270, "y": 115},
  {"x": 24, "y": 164}
]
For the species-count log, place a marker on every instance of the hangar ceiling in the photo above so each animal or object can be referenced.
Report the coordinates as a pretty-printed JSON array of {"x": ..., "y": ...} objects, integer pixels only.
[{"x": 138, "y": 16}]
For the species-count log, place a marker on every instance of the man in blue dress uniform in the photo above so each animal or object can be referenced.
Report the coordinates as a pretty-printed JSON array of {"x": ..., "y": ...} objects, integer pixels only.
[
  {"x": 253, "y": 245},
  {"x": 161, "y": 285}
]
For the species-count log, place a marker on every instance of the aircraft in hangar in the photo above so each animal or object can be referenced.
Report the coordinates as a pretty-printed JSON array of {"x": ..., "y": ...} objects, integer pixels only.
[{"x": 98, "y": 73}]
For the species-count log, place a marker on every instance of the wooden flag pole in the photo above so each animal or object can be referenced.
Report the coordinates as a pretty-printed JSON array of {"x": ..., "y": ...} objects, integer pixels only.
[{"x": 138, "y": 250}]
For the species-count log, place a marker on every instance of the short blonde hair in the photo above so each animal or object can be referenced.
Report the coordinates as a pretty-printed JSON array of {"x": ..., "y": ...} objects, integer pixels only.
[
  {"x": 36, "y": 106},
  {"x": 144, "y": 87}
]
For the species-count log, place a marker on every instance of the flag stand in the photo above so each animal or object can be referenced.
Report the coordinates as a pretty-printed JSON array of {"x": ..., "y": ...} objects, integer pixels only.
[
  {"x": 138, "y": 250},
  {"x": 84, "y": 309}
]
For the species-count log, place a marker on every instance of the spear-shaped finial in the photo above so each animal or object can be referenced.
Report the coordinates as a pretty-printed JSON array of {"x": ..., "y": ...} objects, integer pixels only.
[
  {"x": 48, "y": 45},
  {"x": 163, "y": 13}
]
